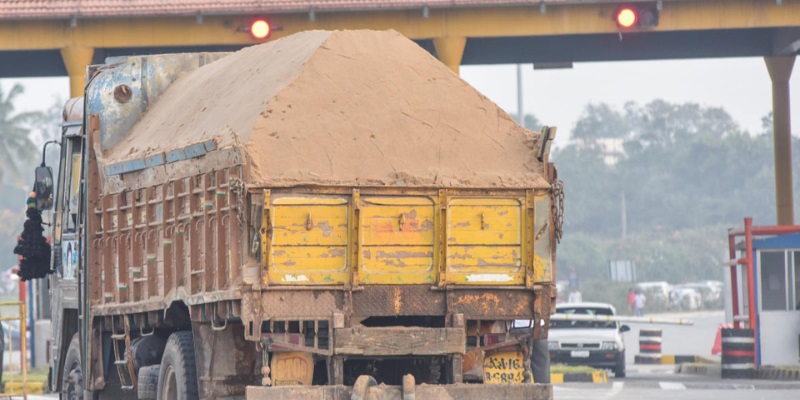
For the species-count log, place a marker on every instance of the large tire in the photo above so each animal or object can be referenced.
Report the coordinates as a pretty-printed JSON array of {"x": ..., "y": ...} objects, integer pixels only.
[
  {"x": 147, "y": 381},
  {"x": 72, "y": 380},
  {"x": 540, "y": 361},
  {"x": 619, "y": 370},
  {"x": 177, "y": 379},
  {"x": 147, "y": 350}
]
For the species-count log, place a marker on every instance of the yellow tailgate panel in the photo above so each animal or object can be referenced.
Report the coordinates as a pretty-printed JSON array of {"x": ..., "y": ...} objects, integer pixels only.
[
  {"x": 484, "y": 242},
  {"x": 309, "y": 241},
  {"x": 397, "y": 236}
]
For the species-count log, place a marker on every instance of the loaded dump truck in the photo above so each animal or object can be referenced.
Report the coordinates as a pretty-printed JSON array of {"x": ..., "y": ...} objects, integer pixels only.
[{"x": 329, "y": 215}]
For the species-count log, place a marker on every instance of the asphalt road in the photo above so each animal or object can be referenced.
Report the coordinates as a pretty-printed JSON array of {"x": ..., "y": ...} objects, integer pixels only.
[
  {"x": 694, "y": 339},
  {"x": 660, "y": 382},
  {"x": 654, "y": 382}
]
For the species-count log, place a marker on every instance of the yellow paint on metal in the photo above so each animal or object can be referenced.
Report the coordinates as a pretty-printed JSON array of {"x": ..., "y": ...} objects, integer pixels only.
[
  {"x": 300, "y": 201},
  {"x": 292, "y": 368},
  {"x": 397, "y": 240},
  {"x": 450, "y": 50},
  {"x": 484, "y": 222},
  {"x": 503, "y": 367},
  {"x": 484, "y": 241},
  {"x": 541, "y": 269},
  {"x": 76, "y": 58},
  {"x": 465, "y": 22},
  {"x": 309, "y": 241}
]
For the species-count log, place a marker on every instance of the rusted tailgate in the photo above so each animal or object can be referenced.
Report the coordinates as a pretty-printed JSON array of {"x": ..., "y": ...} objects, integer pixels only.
[{"x": 462, "y": 391}]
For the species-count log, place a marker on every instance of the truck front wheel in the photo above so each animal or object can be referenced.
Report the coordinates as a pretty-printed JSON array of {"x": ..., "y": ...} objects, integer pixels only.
[
  {"x": 177, "y": 379},
  {"x": 72, "y": 381}
]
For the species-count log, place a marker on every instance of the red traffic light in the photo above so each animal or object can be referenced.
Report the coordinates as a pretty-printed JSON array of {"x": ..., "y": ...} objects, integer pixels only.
[
  {"x": 627, "y": 17},
  {"x": 260, "y": 29}
]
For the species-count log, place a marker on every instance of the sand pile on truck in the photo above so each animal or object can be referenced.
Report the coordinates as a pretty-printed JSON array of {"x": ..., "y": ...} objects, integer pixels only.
[{"x": 349, "y": 108}]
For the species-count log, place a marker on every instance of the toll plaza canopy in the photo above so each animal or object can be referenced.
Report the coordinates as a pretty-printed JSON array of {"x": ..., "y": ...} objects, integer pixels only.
[
  {"x": 60, "y": 37},
  {"x": 16, "y": 9}
]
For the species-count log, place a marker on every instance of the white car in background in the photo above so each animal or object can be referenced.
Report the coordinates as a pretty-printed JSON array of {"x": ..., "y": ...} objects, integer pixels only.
[{"x": 592, "y": 343}]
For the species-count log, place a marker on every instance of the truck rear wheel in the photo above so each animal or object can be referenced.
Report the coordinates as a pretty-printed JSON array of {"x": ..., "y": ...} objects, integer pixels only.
[
  {"x": 177, "y": 379},
  {"x": 72, "y": 381}
]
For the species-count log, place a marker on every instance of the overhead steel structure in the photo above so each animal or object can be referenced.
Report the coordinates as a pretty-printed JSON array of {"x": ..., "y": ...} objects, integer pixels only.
[{"x": 61, "y": 37}]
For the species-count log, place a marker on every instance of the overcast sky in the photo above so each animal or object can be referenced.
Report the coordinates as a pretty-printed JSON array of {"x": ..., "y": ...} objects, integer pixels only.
[{"x": 557, "y": 97}]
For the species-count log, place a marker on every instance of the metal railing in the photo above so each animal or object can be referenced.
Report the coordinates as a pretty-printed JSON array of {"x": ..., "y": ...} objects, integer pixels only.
[{"x": 23, "y": 353}]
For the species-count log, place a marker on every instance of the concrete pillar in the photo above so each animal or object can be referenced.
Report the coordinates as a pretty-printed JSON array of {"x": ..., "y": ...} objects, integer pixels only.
[
  {"x": 76, "y": 59},
  {"x": 450, "y": 50},
  {"x": 780, "y": 70}
]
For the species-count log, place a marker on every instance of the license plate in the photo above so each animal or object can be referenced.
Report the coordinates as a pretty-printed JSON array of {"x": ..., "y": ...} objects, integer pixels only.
[
  {"x": 579, "y": 353},
  {"x": 503, "y": 367}
]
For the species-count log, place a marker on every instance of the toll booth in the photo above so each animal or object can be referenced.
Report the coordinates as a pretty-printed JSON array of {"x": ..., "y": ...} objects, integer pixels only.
[{"x": 765, "y": 273}]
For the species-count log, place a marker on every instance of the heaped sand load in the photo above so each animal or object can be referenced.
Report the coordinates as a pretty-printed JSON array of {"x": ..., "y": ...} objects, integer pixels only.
[{"x": 354, "y": 108}]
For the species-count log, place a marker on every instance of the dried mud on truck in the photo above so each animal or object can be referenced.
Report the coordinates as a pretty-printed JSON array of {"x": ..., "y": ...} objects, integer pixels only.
[{"x": 328, "y": 215}]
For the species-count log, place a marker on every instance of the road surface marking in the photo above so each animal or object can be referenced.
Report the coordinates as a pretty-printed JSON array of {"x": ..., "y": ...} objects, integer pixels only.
[{"x": 672, "y": 386}]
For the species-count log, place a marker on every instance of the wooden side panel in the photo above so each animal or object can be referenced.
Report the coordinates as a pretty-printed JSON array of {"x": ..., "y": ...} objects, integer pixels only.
[
  {"x": 182, "y": 236},
  {"x": 399, "y": 341},
  {"x": 397, "y": 240},
  {"x": 484, "y": 241},
  {"x": 309, "y": 241}
]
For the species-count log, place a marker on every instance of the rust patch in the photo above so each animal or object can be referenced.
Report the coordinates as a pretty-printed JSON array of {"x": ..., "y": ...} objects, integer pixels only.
[
  {"x": 487, "y": 302},
  {"x": 325, "y": 227},
  {"x": 367, "y": 254},
  {"x": 501, "y": 213},
  {"x": 289, "y": 263},
  {"x": 278, "y": 253},
  {"x": 382, "y": 226},
  {"x": 405, "y": 254},
  {"x": 338, "y": 252},
  {"x": 427, "y": 225},
  {"x": 461, "y": 224}
]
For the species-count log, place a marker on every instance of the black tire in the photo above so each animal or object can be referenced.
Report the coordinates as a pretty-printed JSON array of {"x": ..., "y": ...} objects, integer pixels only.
[
  {"x": 619, "y": 370},
  {"x": 177, "y": 378},
  {"x": 540, "y": 361},
  {"x": 147, "y": 350},
  {"x": 72, "y": 379},
  {"x": 147, "y": 380}
]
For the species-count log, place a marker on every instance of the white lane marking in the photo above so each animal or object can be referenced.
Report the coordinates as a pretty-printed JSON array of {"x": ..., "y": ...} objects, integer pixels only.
[
  {"x": 672, "y": 386},
  {"x": 595, "y": 393},
  {"x": 616, "y": 388}
]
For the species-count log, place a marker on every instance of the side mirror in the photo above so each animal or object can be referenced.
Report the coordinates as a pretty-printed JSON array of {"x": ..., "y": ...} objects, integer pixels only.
[
  {"x": 43, "y": 182},
  {"x": 43, "y": 187},
  {"x": 624, "y": 328}
]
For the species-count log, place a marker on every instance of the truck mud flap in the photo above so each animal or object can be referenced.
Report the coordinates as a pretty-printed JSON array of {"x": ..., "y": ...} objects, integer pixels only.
[{"x": 460, "y": 391}]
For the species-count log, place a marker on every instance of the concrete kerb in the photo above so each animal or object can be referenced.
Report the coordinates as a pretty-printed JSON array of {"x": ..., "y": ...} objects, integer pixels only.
[
  {"x": 15, "y": 388},
  {"x": 762, "y": 373},
  {"x": 586, "y": 377},
  {"x": 711, "y": 370},
  {"x": 778, "y": 373}
]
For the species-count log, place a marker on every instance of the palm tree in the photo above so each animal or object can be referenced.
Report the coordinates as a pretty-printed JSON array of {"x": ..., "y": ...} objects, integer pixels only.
[{"x": 17, "y": 151}]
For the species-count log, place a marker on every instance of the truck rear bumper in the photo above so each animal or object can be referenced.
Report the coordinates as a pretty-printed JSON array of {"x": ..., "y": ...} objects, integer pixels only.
[{"x": 461, "y": 391}]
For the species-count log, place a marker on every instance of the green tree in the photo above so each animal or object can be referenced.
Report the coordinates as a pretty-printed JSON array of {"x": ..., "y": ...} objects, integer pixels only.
[
  {"x": 600, "y": 121},
  {"x": 688, "y": 172},
  {"x": 17, "y": 151}
]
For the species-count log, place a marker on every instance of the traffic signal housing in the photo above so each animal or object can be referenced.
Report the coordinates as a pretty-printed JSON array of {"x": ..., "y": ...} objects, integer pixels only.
[
  {"x": 260, "y": 29},
  {"x": 636, "y": 16}
]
